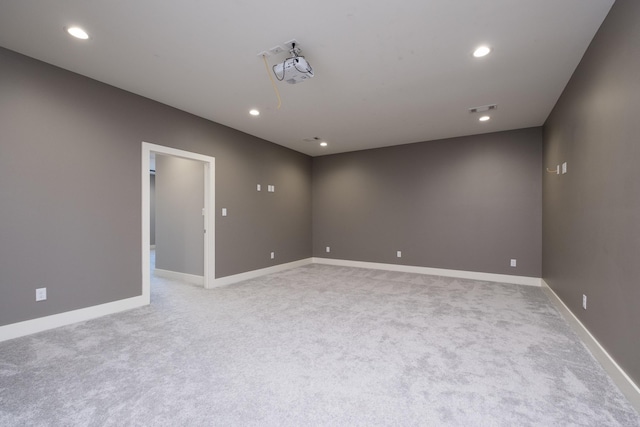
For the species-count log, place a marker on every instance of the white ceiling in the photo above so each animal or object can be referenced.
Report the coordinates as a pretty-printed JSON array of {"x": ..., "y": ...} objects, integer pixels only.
[{"x": 386, "y": 73}]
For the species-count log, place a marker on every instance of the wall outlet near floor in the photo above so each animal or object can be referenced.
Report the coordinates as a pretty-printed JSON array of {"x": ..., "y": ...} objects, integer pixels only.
[
  {"x": 273, "y": 255},
  {"x": 564, "y": 168},
  {"x": 399, "y": 254},
  {"x": 259, "y": 187},
  {"x": 328, "y": 249},
  {"x": 514, "y": 262},
  {"x": 41, "y": 294},
  {"x": 584, "y": 301}
]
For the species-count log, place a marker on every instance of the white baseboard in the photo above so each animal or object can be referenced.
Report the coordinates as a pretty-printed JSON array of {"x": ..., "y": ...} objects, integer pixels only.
[
  {"x": 183, "y": 277},
  {"x": 16, "y": 330},
  {"x": 28, "y": 327},
  {"x": 617, "y": 374},
  {"x": 473, "y": 275},
  {"x": 228, "y": 280}
]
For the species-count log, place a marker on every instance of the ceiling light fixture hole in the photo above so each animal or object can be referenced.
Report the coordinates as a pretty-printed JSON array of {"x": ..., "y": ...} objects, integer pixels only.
[
  {"x": 77, "y": 32},
  {"x": 481, "y": 51}
]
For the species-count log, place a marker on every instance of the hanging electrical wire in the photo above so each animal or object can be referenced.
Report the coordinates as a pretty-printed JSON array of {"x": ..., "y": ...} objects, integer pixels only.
[{"x": 275, "y": 88}]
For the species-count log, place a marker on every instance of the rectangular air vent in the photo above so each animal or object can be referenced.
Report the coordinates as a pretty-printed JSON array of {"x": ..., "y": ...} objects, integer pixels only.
[
  {"x": 483, "y": 108},
  {"x": 313, "y": 139}
]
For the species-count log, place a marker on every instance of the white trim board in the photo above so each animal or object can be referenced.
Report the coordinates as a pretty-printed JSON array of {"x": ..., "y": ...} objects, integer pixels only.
[
  {"x": 28, "y": 327},
  {"x": 616, "y": 373},
  {"x": 16, "y": 330},
  {"x": 229, "y": 280},
  {"x": 473, "y": 275},
  {"x": 183, "y": 277}
]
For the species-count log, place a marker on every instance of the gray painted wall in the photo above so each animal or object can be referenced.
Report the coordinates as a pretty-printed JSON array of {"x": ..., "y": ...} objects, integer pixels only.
[
  {"x": 70, "y": 190},
  {"x": 469, "y": 203},
  {"x": 591, "y": 237},
  {"x": 179, "y": 220}
]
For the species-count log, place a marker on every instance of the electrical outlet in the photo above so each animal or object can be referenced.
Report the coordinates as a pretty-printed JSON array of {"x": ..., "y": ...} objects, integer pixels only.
[
  {"x": 514, "y": 262},
  {"x": 584, "y": 301},
  {"x": 328, "y": 249},
  {"x": 399, "y": 254},
  {"x": 273, "y": 255},
  {"x": 259, "y": 187},
  {"x": 564, "y": 168},
  {"x": 224, "y": 211},
  {"x": 41, "y": 294}
]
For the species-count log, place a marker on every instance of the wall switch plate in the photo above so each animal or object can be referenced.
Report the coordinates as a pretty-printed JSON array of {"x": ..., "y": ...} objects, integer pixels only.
[
  {"x": 399, "y": 254},
  {"x": 259, "y": 187},
  {"x": 273, "y": 255},
  {"x": 328, "y": 249},
  {"x": 514, "y": 262},
  {"x": 224, "y": 211},
  {"x": 564, "y": 168},
  {"x": 41, "y": 294},
  {"x": 584, "y": 301}
]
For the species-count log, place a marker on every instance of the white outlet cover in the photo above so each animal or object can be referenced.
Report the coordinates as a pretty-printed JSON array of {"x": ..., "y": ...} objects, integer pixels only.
[
  {"x": 41, "y": 294},
  {"x": 328, "y": 249},
  {"x": 273, "y": 255},
  {"x": 584, "y": 301},
  {"x": 513, "y": 262},
  {"x": 399, "y": 254},
  {"x": 259, "y": 187},
  {"x": 224, "y": 211},
  {"x": 564, "y": 167}
]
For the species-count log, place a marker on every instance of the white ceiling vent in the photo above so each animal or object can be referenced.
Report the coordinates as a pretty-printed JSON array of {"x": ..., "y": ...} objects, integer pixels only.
[{"x": 483, "y": 108}]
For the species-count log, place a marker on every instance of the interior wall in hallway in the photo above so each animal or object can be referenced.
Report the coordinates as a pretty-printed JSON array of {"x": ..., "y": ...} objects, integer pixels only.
[
  {"x": 152, "y": 209},
  {"x": 179, "y": 219}
]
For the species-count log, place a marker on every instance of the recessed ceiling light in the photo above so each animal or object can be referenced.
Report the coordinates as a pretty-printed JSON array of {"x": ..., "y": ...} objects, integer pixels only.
[
  {"x": 323, "y": 144},
  {"x": 254, "y": 112},
  {"x": 484, "y": 118},
  {"x": 481, "y": 51},
  {"x": 77, "y": 32}
]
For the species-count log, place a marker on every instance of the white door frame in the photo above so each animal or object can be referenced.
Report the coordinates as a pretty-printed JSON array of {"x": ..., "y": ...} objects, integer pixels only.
[{"x": 209, "y": 213}]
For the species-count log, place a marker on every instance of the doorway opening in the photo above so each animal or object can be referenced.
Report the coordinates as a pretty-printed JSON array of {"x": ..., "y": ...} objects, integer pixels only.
[{"x": 208, "y": 212}]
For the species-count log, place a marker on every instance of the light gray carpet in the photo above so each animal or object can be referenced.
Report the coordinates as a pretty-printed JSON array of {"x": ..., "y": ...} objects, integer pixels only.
[{"x": 317, "y": 345}]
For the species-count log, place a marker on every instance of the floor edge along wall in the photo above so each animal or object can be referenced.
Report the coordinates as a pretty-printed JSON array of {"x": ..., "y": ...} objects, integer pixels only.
[{"x": 617, "y": 374}]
